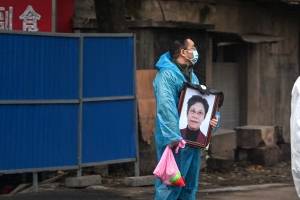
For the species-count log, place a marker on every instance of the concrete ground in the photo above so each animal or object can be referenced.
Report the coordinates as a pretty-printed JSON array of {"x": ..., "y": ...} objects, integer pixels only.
[
  {"x": 267, "y": 191},
  {"x": 282, "y": 191}
]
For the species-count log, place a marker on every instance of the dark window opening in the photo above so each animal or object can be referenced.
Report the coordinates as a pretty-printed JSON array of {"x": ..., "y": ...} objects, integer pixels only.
[{"x": 223, "y": 52}]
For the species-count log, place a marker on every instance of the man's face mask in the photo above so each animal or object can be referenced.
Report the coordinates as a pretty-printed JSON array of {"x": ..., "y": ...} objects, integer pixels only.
[{"x": 195, "y": 58}]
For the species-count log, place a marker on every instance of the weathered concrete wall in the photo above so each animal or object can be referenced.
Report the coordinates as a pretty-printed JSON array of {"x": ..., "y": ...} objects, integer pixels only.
[
  {"x": 272, "y": 68},
  {"x": 84, "y": 19},
  {"x": 172, "y": 10}
]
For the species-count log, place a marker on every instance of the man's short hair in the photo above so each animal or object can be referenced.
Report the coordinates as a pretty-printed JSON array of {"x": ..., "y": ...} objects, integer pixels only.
[{"x": 178, "y": 44}]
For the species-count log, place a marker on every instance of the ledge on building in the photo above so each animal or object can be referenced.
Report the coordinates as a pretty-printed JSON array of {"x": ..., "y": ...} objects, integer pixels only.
[
  {"x": 167, "y": 24},
  {"x": 226, "y": 38}
]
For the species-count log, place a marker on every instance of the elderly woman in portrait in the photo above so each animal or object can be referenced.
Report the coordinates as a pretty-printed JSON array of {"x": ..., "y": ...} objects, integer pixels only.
[{"x": 197, "y": 108}]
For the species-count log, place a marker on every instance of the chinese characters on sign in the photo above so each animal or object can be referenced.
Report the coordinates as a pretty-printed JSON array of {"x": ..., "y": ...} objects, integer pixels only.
[
  {"x": 6, "y": 18},
  {"x": 29, "y": 17},
  {"x": 37, "y": 15}
]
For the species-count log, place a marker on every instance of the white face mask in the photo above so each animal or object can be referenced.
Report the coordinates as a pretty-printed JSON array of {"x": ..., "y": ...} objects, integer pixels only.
[{"x": 195, "y": 58}]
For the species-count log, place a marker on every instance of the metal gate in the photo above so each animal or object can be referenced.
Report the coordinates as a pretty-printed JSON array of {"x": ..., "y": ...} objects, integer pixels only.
[{"x": 66, "y": 101}]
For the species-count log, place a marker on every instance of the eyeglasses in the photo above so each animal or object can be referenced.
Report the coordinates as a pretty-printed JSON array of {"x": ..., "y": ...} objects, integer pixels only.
[
  {"x": 193, "y": 112},
  {"x": 191, "y": 49}
]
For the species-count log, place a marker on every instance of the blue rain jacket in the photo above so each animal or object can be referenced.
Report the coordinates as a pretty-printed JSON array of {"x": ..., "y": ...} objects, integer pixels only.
[{"x": 167, "y": 86}]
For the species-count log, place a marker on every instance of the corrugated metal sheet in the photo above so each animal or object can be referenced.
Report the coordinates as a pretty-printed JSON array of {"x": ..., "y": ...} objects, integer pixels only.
[
  {"x": 38, "y": 67},
  {"x": 37, "y": 136},
  {"x": 226, "y": 79},
  {"x": 260, "y": 38},
  {"x": 108, "y": 128},
  {"x": 226, "y": 38},
  {"x": 289, "y": 2},
  {"x": 292, "y": 2},
  {"x": 108, "y": 67},
  {"x": 108, "y": 131},
  {"x": 44, "y": 121},
  {"x": 35, "y": 68}
]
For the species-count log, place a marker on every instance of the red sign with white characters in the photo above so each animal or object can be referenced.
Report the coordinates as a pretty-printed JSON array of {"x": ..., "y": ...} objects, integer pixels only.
[
  {"x": 35, "y": 15},
  {"x": 26, "y": 15}
]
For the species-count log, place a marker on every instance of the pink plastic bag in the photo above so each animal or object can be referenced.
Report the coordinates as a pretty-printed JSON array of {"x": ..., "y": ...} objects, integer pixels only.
[{"x": 167, "y": 170}]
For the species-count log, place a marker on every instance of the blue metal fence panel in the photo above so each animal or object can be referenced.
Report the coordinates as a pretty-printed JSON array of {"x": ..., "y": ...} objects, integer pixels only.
[
  {"x": 35, "y": 68},
  {"x": 38, "y": 67},
  {"x": 108, "y": 131},
  {"x": 109, "y": 125},
  {"x": 38, "y": 136},
  {"x": 108, "y": 66},
  {"x": 48, "y": 117}
]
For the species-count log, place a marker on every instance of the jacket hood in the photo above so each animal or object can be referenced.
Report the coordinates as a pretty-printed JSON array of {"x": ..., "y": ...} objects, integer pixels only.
[{"x": 164, "y": 62}]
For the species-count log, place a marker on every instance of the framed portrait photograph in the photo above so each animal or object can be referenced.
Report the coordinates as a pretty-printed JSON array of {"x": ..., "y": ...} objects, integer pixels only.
[{"x": 196, "y": 109}]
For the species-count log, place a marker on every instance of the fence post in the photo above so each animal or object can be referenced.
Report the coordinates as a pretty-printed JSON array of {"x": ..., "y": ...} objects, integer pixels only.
[{"x": 35, "y": 182}]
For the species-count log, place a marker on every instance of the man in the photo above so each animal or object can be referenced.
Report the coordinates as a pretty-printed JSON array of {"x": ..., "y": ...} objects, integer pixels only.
[
  {"x": 175, "y": 68},
  {"x": 295, "y": 134}
]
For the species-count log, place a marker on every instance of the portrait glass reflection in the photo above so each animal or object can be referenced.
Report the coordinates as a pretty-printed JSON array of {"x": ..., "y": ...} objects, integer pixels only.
[{"x": 195, "y": 114}]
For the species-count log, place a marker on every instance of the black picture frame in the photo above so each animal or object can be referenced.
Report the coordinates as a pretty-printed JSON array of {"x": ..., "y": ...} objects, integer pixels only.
[{"x": 213, "y": 101}]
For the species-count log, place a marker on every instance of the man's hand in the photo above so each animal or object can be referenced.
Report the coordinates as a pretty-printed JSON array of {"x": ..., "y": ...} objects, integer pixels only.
[
  {"x": 213, "y": 122},
  {"x": 173, "y": 144}
]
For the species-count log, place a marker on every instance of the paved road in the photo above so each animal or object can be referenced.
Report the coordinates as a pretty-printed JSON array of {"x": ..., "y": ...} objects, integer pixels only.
[
  {"x": 264, "y": 192},
  {"x": 66, "y": 194},
  {"x": 273, "y": 193}
]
